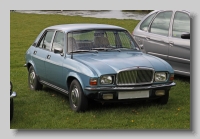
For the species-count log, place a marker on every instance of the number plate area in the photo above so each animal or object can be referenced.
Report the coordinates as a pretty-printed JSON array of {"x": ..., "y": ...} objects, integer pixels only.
[{"x": 133, "y": 94}]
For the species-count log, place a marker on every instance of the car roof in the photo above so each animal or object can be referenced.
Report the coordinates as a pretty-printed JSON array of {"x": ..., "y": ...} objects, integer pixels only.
[
  {"x": 169, "y": 10},
  {"x": 82, "y": 26}
]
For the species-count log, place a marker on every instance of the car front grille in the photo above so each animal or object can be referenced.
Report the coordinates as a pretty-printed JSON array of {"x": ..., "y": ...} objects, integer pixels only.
[{"x": 135, "y": 77}]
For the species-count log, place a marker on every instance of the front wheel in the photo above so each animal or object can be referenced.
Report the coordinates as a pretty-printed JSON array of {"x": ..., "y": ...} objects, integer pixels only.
[
  {"x": 33, "y": 82},
  {"x": 77, "y": 99}
]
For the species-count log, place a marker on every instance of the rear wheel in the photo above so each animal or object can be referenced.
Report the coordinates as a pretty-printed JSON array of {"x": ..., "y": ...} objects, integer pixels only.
[
  {"x": 163, "y": 99},
  {"x": 33, "y": 82},
  {"x": 77, "y": 99}
]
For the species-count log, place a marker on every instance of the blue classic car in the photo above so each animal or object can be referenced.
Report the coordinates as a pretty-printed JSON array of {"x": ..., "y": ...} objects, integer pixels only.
[{"x": 96, "y": 61}]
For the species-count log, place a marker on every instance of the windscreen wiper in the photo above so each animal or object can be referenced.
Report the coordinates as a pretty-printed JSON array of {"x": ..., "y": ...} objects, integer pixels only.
[
  {"x": 117, "y": 49},
  {"x": 79, "y": 51},
  {"x": 106, "y": 49}
]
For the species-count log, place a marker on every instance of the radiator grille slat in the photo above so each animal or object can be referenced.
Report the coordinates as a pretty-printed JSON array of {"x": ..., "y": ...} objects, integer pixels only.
[{"x": 134, "y": 77}]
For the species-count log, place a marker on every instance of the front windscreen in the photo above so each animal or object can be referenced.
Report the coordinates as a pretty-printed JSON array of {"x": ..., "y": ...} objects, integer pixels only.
[{"x": 100, "y": 40}]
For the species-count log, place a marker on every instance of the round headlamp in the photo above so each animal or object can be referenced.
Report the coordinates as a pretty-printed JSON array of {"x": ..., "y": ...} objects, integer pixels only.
[
  {"x": 160, "y": 76},
  {"x": 106, "y": 79}
]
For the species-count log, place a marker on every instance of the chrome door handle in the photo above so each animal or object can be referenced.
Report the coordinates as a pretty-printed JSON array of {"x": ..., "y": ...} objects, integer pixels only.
[
  {"x": 171, "y": 44},
  {"x": 48, "y": 56},
  {"x": 35, "y": 52},
  {"x": 147, "y": 38}
]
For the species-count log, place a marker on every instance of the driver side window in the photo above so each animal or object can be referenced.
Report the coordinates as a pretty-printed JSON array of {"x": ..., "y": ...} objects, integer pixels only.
[
  {"x": 58, "y": 40},
  {"x": 181, "y": 24}
]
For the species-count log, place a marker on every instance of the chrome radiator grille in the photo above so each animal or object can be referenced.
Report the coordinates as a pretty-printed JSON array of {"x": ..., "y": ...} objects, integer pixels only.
[{"x": 134, "y": 77}]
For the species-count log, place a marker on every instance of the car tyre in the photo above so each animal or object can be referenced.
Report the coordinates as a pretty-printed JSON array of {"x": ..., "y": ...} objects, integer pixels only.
[
  {"x": 11, "y": 109},
  {"x": 78, "y": 101},
  {"x": 164, "y": 99},
  {"x": 33, "y": 82}
]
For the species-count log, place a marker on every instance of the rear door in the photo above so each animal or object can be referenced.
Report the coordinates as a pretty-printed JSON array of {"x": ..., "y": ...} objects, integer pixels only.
[
  {"x": 156, "y": 42},
  {"x": 179, "y": 50},
  {"x": 39, "y": 54}
]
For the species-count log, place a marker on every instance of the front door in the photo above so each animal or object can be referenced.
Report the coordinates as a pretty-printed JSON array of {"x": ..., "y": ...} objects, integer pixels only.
[{"x": 54, "y": 62}]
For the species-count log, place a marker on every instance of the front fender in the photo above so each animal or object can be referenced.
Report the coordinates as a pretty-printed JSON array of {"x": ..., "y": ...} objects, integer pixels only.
[{"x": 76, "y": 76}]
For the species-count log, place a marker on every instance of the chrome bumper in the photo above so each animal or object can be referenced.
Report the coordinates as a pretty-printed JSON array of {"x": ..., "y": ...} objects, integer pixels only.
[
  {"x": 130, "y": 88},
  {"x": 14, "y": 94}
]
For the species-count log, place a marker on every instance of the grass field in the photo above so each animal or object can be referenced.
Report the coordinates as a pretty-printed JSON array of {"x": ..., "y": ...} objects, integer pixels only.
[{"x": 48, "y": 109}]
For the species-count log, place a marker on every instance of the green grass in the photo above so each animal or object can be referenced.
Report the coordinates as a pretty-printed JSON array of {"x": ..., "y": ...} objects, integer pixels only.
[{"x": 48, "y": 109}]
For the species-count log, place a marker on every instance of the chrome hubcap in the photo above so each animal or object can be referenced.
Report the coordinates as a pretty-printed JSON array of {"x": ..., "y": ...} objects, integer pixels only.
[
  {"x": 32, "y": 79},
  {"x": 75, "y": 96}
]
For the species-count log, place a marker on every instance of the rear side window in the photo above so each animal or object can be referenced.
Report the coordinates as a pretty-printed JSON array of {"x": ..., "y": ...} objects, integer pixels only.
[
  {"x": 161, "y": 23},
  {"x": 181, "y": 24},
  {"x": 145, "y": 24},
  {"x": 45, "y": 41}
]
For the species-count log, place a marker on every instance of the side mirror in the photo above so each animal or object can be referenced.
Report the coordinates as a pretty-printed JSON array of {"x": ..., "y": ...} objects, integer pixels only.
[
  {"x": 185, "y": 36},
  {"x": 58, "y": 50}
]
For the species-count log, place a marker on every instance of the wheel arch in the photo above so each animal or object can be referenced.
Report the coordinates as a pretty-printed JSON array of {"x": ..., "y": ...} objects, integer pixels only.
[
  {"x": 73, "y": 76},
  {"x": 29, "y": 64}
]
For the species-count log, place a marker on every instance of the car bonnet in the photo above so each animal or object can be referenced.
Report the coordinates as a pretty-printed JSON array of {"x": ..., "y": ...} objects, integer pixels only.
[{"x": 111, "y": 63}]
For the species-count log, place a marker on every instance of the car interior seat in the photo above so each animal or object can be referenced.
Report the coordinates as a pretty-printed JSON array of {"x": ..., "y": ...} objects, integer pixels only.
[
  {"x": 71, "y": 44},
  {"x": 100, "y": 41}
]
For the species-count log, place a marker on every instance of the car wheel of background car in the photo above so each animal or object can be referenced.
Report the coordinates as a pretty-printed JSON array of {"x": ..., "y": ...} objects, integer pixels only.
[
  {"x": 34, "y": 84},
  {"x": 11, "y": 108},
  {"x": 164, "y": 99},
  {"x": 77, "y": 99}
]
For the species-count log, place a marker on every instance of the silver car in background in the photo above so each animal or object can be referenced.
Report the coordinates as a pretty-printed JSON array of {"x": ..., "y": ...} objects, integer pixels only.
[{"x": 166, "y": 34}]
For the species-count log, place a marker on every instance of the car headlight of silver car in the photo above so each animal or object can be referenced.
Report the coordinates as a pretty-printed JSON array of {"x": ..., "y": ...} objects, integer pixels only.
[
  {"x": 106, "y": 79},
  {"x": 160, "y": 76}
]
